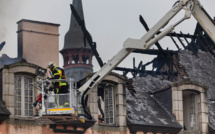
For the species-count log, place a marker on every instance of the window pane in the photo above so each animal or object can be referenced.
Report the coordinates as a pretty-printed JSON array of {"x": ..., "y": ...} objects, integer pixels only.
[
  {"x": 19, "y": 85},
  {"x": 26, "y": 85},
  {"x": 111, "y": 107},
  {"x": 110, "y": 101},
  {"x": 30, "y": 80},
  {"x": 30, "y": 99},
  {"x": 26, "y": 99},
  {"x": 106, "y": 102},
  {"x": 111, "y": 120},
  {"x": 26, "y": 92},
  {"x": 107, "y": 120},
  {"x": 19, "y": 105},
  {"x": 30, "y": 113},
  {"x": 26, "y": 79},
  {"x": 26, "y": 105},
  {"x": 19, "y": 98},
  {"x": 107, "y": 114},
  {"x": 30, "y": 86},
  {"x": 19, "y": 92},
  {"x": 111, "y": 113},
  {"x": 30, "y": 106},
  {"x": 106, "y": 95},
  {"x": 19, "y": 79},
  {"x": 106, "y": 108},
  {"x": 19, "y": 112},
  {"x": 26, "y": 112},
  {"x": 30, "y": 93}
]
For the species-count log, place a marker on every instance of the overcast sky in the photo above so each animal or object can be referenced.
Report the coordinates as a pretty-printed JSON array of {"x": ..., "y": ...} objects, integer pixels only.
[{"x": 110, "y": 22}]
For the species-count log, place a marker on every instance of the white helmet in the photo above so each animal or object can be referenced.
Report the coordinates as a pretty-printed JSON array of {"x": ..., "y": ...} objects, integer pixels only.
[{"x": 51, "y": 64}]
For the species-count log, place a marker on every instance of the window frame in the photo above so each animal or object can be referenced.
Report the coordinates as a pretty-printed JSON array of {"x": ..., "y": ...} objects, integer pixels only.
[
  {"x": 193, "y": 106},
  {"x": 113, "y": 105},
  {"x": 30, "y": 90}
]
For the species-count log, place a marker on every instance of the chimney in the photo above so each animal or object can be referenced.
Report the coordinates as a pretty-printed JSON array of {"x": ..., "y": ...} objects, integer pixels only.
[{"x": 38, "y": 42}]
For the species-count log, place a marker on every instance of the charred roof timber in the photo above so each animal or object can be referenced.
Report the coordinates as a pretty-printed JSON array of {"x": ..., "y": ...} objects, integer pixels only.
[
  {"x": 198, "y": 41},
  {"x": 2, "y": 45}
]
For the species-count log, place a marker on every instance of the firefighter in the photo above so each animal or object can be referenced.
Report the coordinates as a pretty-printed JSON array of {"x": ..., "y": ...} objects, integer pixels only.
[
  {"x": 59, "y": 87},
  {"x": 58, "y": 73}
]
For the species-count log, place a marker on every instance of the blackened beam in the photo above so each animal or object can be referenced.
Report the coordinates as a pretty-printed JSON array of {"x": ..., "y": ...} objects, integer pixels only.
[
  {"x": 185, "y": 38},
  {"x": 162, "y": 52},
  {"x": 181, "y": 41},
  {"x": 175, "y": 42},
  {"x": 87, "y": 35},
  {"x": 142, "y": 71},
  {"x": 169, "y": 34},
  {"x": 2, "y": 45},
  {"x": 205, "y": 43},
  {"x": 188, "y": 46},
  {"x": 181, "y": 35},
  {"x": 154, "y": 51}
]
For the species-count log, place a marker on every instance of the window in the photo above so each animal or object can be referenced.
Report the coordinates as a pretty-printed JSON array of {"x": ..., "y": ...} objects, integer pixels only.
[
  {"x": 190, "y": 106},
  {"x": 190, "y": 110},
  {"x": 109, "y": 104},
  {"x": 106, "y": 104},
  {"x": 23, "y": 94}
]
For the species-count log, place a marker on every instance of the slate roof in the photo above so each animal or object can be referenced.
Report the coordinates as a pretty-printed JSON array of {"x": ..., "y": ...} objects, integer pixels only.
[
  {"x": 74, "y": 38},
  {"x": 201, "y": 69},
  {"x": 5, "y": 60},
  {"x": 144, "y": 109},
  {"x": 4, "y": 113}
]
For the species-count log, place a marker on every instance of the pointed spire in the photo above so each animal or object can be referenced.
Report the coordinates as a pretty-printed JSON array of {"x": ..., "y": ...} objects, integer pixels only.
[{"x": 74, "y": 38}]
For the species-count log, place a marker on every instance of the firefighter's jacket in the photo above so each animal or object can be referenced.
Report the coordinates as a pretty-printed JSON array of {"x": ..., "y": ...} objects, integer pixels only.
[{"x": 58, "y": 73}]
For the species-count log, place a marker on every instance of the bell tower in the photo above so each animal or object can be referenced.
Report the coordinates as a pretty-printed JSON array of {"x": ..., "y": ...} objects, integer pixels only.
[{"x": 77, "y": 54}]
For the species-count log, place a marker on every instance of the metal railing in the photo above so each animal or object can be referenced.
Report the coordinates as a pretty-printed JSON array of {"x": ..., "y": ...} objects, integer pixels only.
[{"x": 62, "y": 100}]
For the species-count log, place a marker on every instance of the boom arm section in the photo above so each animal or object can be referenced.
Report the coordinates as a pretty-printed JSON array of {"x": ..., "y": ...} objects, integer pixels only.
[
  {"x": 130, "y": 45},
  {"x": 204, "y": 20},
  {"x": 191, "y": 6}
]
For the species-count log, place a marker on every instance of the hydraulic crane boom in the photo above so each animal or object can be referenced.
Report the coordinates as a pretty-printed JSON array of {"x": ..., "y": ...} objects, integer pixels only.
[{"x": 191, "y": 7}]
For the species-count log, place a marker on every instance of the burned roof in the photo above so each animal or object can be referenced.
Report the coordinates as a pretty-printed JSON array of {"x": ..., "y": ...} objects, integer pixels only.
[
  {"x": 144, "y": 109},
  {"x": 5, "y": 60},
  {"x": 149, "y": 84},
  {"x": 201, "y": 68}
]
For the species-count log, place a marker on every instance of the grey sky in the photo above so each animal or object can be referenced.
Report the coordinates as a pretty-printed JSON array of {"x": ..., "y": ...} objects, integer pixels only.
[{"x": 110, "y": 22}]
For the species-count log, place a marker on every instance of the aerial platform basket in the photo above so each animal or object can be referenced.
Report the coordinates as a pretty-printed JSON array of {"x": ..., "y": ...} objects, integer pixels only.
[{"x": 59, "y": 108}]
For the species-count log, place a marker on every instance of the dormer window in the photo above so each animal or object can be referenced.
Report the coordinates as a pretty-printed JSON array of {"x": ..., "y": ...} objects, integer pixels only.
[
  {"x": 23, "y": 94},
  {"x": 190, "y": 111}
]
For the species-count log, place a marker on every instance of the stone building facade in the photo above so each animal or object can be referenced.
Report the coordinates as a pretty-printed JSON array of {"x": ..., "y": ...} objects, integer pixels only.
[
  {"x": 18, "y": 94},
  {"x": 107, "y": 104}
]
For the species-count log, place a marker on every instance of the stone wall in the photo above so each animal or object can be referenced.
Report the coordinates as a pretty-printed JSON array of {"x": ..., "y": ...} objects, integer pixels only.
[
  {"x": 120, "y": 126},
  {"x": 8, "y": 73},
  {"x": 177, "y": 104}
]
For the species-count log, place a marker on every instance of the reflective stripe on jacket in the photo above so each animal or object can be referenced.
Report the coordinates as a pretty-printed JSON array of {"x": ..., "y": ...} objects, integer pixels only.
[{"x": 58, "y": 73}]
